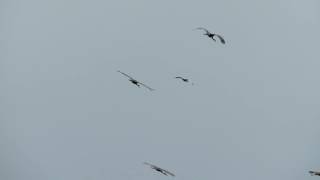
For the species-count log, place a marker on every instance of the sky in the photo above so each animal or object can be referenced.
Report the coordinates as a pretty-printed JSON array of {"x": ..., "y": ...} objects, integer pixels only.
[{"x": 66, "y": 113}]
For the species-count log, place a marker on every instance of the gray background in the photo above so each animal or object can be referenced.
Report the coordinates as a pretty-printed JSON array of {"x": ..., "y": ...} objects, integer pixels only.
[{"x": 66, "y": 113}]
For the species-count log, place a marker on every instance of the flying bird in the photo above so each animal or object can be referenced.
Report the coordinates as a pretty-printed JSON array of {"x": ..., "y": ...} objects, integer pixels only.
[
  {"x": 211, "y": 35},
  {"x": 183, "y": 79},
  {"x": 163, "y": 171},
  {"x": 135, "y": 82},
  {"x": 314, "y": 173}
]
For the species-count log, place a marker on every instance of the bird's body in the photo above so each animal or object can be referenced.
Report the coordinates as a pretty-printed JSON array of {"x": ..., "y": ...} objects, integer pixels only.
[
  {"x": 163, "y": 171},
  {"x": 135, "y": 82},
  {"x": 314, "y": 173},
  {"x": 212, "y": 35}
]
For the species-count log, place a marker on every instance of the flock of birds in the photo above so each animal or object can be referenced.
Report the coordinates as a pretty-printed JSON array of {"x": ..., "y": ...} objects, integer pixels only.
[
  {"x": 138, "y": 84},
  {"x": 207, "y": 33},
  {"x": 165, "y": 172}
]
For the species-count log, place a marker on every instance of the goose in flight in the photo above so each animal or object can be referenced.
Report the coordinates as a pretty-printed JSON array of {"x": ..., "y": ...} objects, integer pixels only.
[
  {"x": 314, "y": 173},
  {"x": 135, "y": 82},
  {"x": 164, "y": 172},
  {"x": 211, "y": 35}
]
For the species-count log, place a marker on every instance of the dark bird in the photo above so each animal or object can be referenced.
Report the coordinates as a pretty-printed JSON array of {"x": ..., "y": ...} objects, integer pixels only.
[
  {"x": 183, "y": 79},
  {"x": 314, "y": 173},
  {"x": 211, "y": 35},
  {"x": 135, "y": 82},
  {"x": 164, "y": 172}
]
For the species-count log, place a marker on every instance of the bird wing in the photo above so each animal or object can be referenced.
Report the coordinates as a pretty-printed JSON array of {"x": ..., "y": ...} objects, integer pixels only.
[
  {"x": 171, "y": 174},
  {"x": 125, "y": 75},
  {"x": 221, "y": 38},
  {"x": 151, "y": 165},
  {"x": 147, "y": 164},
  {"x": 151, "y": 89},
  {"x": 201, "y": 28},
  {"x": 179, "y": 77},
  {"x": 156, "y": 167}
]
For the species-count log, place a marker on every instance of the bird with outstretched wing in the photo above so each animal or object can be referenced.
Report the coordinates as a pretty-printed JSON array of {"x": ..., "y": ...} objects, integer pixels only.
[
  {"x": 211, "y": 35},
  {"x": 136, "y": 82},
  {"x": 183, "y": 79},
  {"x": 163, "y": 171}
]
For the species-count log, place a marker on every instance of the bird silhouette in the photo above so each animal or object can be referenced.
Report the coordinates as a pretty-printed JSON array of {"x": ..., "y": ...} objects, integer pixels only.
[
  {"x": 135, "y": 82},
  {"x": 183, "y": 79},
  {"x": 163, "y": 171},
  {"x": 211, "y": 35}
]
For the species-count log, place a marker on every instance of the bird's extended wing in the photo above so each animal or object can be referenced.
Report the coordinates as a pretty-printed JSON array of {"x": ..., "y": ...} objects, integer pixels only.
[
  {"x": 179, "y": 77},
  {"x": 171, "y": 174},
  {"x": 147, "y": 164},
  {"x": 201, "y": 28},
  {"x": 151, "y": 89},
  {"x": 151, "y": 165},
  {"x": 156, "y": 167},
  {"x": 125, "y": 75},
  {"x": 221, "y": 39}
]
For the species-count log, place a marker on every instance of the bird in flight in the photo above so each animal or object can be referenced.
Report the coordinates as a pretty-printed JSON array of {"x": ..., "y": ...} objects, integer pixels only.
[
  {"x": 314, "y": 173},
  {"x": 135, "y": 82},
  {"x": 183, "y": 79},
  {"x": 211, "y": 35},
  {"x": 164, "y": 172}
]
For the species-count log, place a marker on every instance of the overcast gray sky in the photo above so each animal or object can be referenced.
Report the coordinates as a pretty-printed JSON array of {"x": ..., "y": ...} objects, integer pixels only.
[{"x": 66, "y": 113}]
